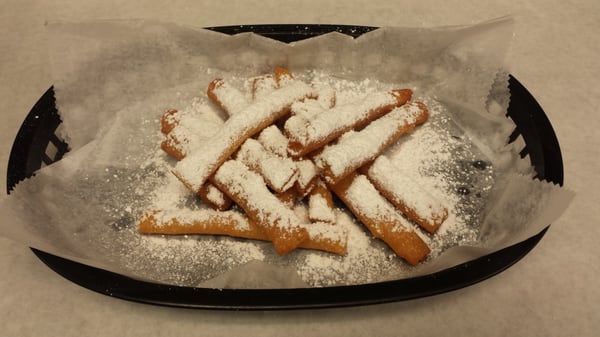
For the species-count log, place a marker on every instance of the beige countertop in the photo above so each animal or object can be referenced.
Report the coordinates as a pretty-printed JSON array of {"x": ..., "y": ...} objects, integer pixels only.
[{"x": 551, "y": 292}]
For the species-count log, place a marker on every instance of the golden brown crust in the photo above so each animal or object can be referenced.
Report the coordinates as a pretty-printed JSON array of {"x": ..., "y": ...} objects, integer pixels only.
[
  {"x": 172, "y": 146},
  {"x": 282, "y": 74},
  {"x": 407, "y": 245},
  {"x": 288, "y": 197},
  {"x": 402, "y": 96},
  {"x": 338, "y": 247},
  {"x": 210, "y": 92},
  {"x": 404, "y": 242},
  {"x": 228, "y": 224},
  {"x": 168, "y": 122},
  {"x": 221, "y": 223}
]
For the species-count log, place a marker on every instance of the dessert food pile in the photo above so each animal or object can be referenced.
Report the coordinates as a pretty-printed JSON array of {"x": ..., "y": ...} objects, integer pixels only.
[{"x": 286, "y": 149}]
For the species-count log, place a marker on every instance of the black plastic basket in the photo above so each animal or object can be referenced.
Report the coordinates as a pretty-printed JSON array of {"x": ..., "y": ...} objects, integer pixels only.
[{"x": 37, "y": 144}]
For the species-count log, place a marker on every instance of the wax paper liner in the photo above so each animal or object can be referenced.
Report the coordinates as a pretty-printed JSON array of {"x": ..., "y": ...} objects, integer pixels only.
[{"x": 113, "y": 80}]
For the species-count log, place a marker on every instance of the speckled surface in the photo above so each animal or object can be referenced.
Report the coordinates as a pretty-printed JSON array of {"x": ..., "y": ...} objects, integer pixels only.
[{"x": 551, "y": 292}]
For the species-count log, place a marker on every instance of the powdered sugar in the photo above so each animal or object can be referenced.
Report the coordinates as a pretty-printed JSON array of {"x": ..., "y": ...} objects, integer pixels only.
[
  {"x": 307, "y": 173},
  {"x": 367, "y": 260},
  {"x": 231, "y": 99},
  {"x": 215, "y": 195},
  {"x": 367, "y": 201},
  {"x": 251, "y": 187},
  {"x": 360, "y": 147},
  {"x": 445, "y": 163},
  {"x": 339, "y": 119},
  {"x": 427, "y": 211},
  {"x": 196, "y": 168},
  {"x": 273, "y": 140},
  {"x": 437, "y": 152},
  {"x": 193, "y": 217},
  {"x": 319, "y": 209},
  {"x": 187, "y": 260},
  {"x": 279, "y": 172}
]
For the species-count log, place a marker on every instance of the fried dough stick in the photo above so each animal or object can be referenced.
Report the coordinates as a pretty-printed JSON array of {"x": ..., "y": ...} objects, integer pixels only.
[
  {"x": 280, "y": 173},
  {"x": 249, "y": 191},
  {"x": 203, "y": 221},
  {"x": 382, "y": 219},
  {"x": 232, "y": 223},
  {"x": 320, "y": 204},
  {"x": 307, "y": 135},
  {"x": 207, "y": 156},
  {"x": 356, "y": 148},
  {"x": 178, "y": 135},
  {"x": 275, "y": 141},
  {"x": 226, "y": 97},
  {"x": 410, "y": 198},
  {"x": 231, "y": 100}
]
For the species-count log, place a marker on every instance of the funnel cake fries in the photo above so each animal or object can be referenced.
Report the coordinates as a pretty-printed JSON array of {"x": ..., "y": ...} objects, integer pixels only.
[
  {"x": 279, "y": 172},
  {"x": 180, "y": 132},
  {"x": 203, "y": 221},
  {"x": 232, "y": 101},
  {"x": 309, "y": 135},
  {"x": 174, "y": 147},
  {"x": 277, "y": 169},
  {"x": 182, "y": 129},
  {"x": 249, "y": 191},
  {"x": 263, "y": 85},
  {"x": 266, "y": 84},
  {"x": 168, "y": 121},
  {"x": 232, "y": 223},
  {"x": 273, "y": 140},
  {"x": 282, "y": 151},
  {"x": 226, "y": 97},
  {"x": 320, "y": 204},
  {"x": 410, "y": 198},
  {"x": 354, "y": 149},
  {"x": 327, "y": 96},
  {"x": 214, "y": 197},
  {"x": 194, "y": 169},
  {"x": 382, "y": 219}
]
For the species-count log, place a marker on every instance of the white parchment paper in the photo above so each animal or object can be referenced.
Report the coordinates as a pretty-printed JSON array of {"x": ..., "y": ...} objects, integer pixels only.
[{"x": 113, "y": 80}]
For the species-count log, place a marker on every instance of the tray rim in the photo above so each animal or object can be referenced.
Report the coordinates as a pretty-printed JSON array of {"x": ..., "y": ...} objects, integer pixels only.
[{"x": 123, "y": 287}]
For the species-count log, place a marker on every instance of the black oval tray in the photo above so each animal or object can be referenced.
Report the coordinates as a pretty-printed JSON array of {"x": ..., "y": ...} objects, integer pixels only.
[{"x": 36, "y": 144}]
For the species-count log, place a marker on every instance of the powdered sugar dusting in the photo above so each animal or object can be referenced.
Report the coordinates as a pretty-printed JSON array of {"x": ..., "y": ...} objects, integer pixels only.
[
  {"x": 196, "y": 168},
  {"x": 368, "y": 201},
  {"x": 273, "y": 140},
  {"x": 360, "y": 147},
  {"x": 233, "y": 100},
  {"x": 437, "y": 155},
  {"x": 445, "y": 163},
  {"x": 404, "y": 191},
  {"x": 279, "y": 172},
  {"x": 319, "y": 209},
  {"x": 215, "y": 195},
  {"x": 339, "y": 117},
  {"x": 251, "y": 187},
  {"x": 368, "y": 260},
  {"x": 188, "y": 260}
]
